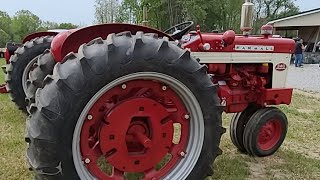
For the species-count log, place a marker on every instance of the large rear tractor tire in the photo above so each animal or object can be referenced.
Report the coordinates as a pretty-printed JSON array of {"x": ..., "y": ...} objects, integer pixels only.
[
  {"x": 42, "y": 67},
  {"x": 238, "y": 124},
  {"x": 20, "y": 64},
  {"x": 129, "y": 106},
  {"x": 265, "y": 132}
]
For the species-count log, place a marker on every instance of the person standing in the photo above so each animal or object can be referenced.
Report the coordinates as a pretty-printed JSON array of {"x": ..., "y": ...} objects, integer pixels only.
[{"x": 299, "y": 48}]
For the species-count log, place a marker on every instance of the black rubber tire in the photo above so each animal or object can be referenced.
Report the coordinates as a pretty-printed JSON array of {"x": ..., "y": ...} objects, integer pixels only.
[
  {"x": 75, "y": 81},
  {"x": 18, "y": 62},
  {"x": 43, "y": 67},
  {"x": 238, "y": 124},
  {"x": 251, "y": 132}
]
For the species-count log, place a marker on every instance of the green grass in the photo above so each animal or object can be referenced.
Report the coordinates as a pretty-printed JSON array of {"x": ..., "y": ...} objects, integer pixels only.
[
  {"x": 12, "y": 145},
  {"x": 298, "y": 158}
]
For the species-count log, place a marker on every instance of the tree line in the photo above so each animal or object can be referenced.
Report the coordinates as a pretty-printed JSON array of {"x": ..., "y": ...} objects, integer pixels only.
[
  {"x": 24, "y": 22},
  {"x": 162, "y": 14},
  {"x": 210, "y": 14}
]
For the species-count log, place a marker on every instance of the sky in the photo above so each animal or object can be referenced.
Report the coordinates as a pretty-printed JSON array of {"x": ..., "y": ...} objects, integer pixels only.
[{"x": 81, "y": 12}]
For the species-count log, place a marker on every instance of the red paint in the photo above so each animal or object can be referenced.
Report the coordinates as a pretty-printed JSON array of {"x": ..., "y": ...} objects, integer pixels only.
[
  {"x": 7, "y": 56},
  {"x": 132, "y": 128},
  {"x": 217, "y": 68},
  {"x": 228, "y": 37},
  {"x": 267, "y": 27},
  {"x": 281, "y": 67},
  {"x": 276, "y": 96},
  {"x": 281, "y": 45},
  {"x": 3, "y": 88},
  {"x": 85, "y": 35},
  {"x": 125, "y": 158},
  {"x": 269, "y": 134},
  {"x": 38, "y": 34},
  {"x": 237, "y": 99},
  {"x": 56, "y": 45},
  {"x": 245, "y": 84}
]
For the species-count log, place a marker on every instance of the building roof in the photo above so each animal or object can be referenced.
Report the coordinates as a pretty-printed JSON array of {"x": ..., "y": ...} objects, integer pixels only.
[{"x": 306, "y": 18}]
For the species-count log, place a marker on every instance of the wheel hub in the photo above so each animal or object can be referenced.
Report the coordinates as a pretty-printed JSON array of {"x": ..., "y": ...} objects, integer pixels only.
[
  {"x": 269, "y": 134},
  {"x": 131, "y": 128},
  {"x": 131, "y": 153}
]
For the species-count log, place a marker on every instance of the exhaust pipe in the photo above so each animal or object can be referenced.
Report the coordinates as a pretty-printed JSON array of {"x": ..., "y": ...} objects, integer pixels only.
[{"x": 247, "y": 17}]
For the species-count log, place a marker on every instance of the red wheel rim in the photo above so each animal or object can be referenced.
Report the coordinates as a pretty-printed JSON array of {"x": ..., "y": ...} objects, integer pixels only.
[
  {"x": 269, "y": 134},
  {"x": 131, "y": 127}
]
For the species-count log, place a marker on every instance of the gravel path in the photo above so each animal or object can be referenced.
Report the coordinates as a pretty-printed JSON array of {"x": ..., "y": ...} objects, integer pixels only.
[{"x": 306, "y": 79}]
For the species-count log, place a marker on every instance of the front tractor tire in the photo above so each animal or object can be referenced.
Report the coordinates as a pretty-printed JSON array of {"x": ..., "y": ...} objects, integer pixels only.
[
  {"x": 238, "y": 124},
  {"x": 20, "y": 65},
  {"x": 127, "y": 104},
  {"x": 265, "y": 132}
]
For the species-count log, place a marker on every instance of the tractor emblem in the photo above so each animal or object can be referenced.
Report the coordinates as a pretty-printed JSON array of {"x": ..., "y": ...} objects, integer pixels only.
[{"x": 281, "y": 67}]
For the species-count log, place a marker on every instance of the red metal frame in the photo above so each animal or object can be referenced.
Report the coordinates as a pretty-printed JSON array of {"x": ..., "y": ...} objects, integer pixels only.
[
  {"x": 74, "y": 40},
  {"x": 131, "y": 126},
  {"x": 281, "y": 45}
]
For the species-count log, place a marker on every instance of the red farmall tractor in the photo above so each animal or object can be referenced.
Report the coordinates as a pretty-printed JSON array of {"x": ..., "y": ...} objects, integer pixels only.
[{"x": 118, "y": 101}]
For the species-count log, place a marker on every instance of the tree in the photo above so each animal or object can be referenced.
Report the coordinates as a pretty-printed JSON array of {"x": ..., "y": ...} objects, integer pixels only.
[
  {"x": 24, "y": 22},
  {"x": 4, "y": 38},
  {"x": 268, "y": 10},
  {"x": 5, "y": 22},
  {"x": 130, "y": 11},
  {"x": 67, "y": 26},
  {"x": 5, "y": 28},
  {"x": 106, "y": 11}
]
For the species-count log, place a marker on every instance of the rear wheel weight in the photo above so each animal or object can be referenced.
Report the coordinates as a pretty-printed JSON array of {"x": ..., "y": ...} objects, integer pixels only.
[
  {"x": 124, "y": 67},
  {"x": 265, "y": 132}
]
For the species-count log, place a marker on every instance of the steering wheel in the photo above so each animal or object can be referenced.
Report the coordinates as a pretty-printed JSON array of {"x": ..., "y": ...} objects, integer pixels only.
[{"x": 177, "y": 31}]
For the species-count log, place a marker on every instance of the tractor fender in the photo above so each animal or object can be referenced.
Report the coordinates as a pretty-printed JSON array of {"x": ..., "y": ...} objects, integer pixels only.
[
  {"x": 38, "y": 34},
  {"x": 57, "y": 42},
  {"x": 65, "y": 43}
]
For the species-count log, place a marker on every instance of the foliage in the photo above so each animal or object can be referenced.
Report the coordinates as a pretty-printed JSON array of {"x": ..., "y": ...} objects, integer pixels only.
[
  {"x": 67, "y": 26},
  {"x": 106, "y": 11},
  {"x": 267, "y": 10},
  {"x": 23, "y": 23},
  {"x": 210, "y": 14}
]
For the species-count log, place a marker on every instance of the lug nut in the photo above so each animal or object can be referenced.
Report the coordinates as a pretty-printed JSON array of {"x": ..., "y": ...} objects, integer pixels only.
[
  {"x": 182, "y": 153},
  {"x": 123, "y": 86},
  {"x": 186, "y": 116},
  {"x": 87, "y": 160},
  {"x": 89, "y": 117},
  {"x": 164, "y": 88}
]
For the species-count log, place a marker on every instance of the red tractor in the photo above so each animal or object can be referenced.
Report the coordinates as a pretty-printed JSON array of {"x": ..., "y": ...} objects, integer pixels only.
[{"x": 117, "y": 101}]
